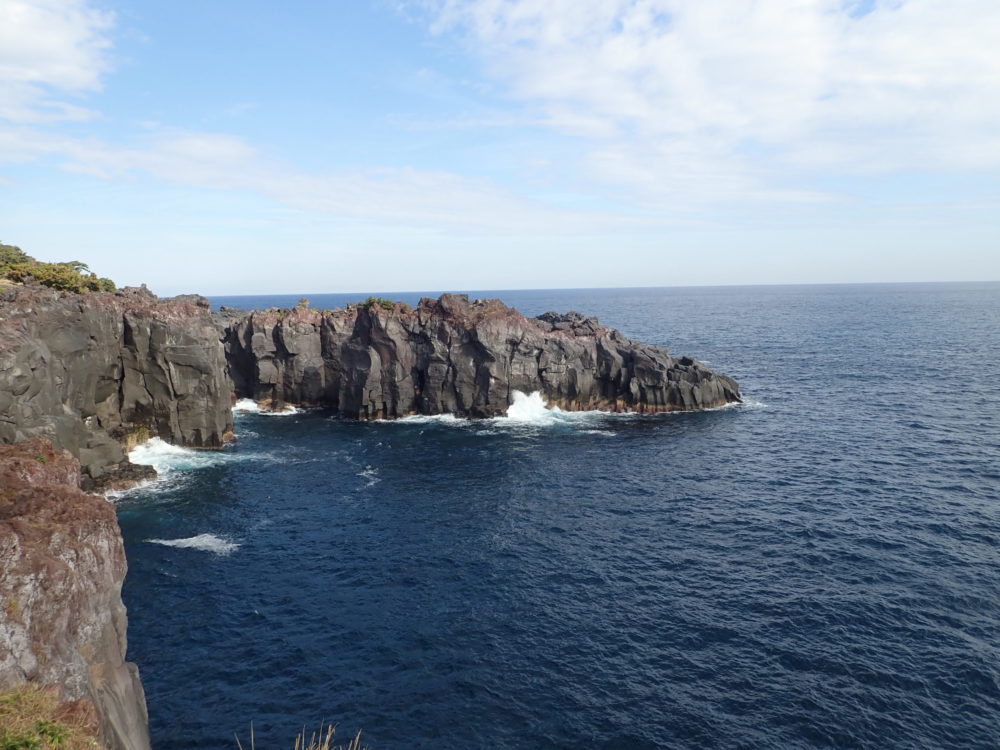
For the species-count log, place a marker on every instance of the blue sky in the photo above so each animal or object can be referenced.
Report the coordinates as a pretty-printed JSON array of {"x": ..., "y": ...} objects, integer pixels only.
[{"x": 258, "y": 147}]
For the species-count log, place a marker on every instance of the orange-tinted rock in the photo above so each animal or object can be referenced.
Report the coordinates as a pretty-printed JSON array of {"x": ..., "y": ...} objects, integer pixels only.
[{"x": 62, "y": 621}]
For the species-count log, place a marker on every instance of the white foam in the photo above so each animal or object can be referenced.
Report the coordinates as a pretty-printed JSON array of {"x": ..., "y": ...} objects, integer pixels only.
[
  {"x": 113, "y": 496},
  {"x": 204, "y": 542},
  {"x": 166, "y": 458},
  {"x": 745, "y": 404},
  {"x": 249, "y": 406},
  {"x": 525, "y": 408},
  {"x": 370, "y": 475},
  {"x": 532, "y": 410},
  {"x": 449, "y": 420}
]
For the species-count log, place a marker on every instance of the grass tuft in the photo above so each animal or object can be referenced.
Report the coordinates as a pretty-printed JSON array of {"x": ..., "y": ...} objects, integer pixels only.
[
  {"x": 33, "y": 718},
  {"x": 320, "y": 740}
]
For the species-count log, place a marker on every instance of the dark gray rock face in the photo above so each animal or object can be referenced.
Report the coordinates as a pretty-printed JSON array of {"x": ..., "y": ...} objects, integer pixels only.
[
  {"x": 88, "y": 371},
  {"x": 455, "y": 356}
]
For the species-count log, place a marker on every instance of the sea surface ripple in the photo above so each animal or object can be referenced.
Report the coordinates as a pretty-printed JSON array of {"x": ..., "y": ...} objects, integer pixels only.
[{"x": 817, "y": 568}]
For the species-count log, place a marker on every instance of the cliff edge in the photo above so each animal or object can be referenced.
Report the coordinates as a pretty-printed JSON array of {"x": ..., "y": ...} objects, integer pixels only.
[{"x": 62, "y": 621}]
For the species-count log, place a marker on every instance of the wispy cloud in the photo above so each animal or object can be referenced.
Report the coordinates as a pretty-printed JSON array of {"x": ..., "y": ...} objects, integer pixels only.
[
  {"x": 52, "y": 51},
  {"x": 735, "y": 98}
]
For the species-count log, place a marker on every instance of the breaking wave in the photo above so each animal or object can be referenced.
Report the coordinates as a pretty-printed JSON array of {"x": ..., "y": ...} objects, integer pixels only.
[
  {"x": 167, "y": 458},
  {"x": 249, "y": 406},
  {"x": 204, "y": 542}
]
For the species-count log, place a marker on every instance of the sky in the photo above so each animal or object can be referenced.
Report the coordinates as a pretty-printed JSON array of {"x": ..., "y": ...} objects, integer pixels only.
[{"x": 317, "y": 146}]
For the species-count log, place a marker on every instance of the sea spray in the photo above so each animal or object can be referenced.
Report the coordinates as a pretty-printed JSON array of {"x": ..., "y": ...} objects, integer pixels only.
[
  {"x": 530, "y": 408},
  {"x": 166, "y": 458}
]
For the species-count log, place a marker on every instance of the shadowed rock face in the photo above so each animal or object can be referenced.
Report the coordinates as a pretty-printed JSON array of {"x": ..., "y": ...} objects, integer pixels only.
[
  {"x": 86, "y": 371},
  {"x": 62, "y": 622},
  {"x": 455, "y": 356}
]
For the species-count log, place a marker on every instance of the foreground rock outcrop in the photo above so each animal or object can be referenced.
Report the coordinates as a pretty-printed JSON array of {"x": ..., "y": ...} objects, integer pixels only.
[
  {"x": 455, "y": 356},
  {"x": 62, "y": 622},
  {"x": 95, "y": 372}
]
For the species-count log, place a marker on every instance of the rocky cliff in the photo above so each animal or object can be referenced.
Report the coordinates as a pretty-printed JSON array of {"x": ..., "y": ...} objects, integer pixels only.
[
  {"x": 453, "y": 355},
  {"x": 90, "y": 372},
  {"x": 62, "y": 621}
]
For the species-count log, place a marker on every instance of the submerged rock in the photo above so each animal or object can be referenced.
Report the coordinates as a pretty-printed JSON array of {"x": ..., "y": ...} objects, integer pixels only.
[{"x": 453, "y": 355}]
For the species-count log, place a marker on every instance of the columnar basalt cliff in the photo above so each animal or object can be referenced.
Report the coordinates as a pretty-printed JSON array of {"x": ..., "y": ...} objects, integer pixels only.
[
  {"x": 62, "y": 622},
  {"x": 89, "y": 371},
  {"x": 455, "y": 356}
]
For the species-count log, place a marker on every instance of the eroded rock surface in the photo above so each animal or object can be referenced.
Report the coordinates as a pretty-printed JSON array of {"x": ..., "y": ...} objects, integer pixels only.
[
  {"x": 89, "y": 371},
  {"x": 62, "y": 621},
  {"x": 455, "y": 356}
]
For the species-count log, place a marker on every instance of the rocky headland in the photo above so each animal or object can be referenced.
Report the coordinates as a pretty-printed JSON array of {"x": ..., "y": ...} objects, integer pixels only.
[
  {"x": 86, "y": 376},
  {"x": 453, "y": 355}
]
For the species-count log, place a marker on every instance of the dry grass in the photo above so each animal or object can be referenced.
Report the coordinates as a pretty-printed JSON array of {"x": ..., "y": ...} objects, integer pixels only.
[
  {"x": 321, "y": 740},
  {"x": 33, "y": 718}
]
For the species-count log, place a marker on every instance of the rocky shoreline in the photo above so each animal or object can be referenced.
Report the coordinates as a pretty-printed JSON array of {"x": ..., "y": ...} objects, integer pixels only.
[{"x": 84, "y": 377}]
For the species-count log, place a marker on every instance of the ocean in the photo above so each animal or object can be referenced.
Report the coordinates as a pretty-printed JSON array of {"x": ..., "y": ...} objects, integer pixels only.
[{"x": 818, "y": 567}]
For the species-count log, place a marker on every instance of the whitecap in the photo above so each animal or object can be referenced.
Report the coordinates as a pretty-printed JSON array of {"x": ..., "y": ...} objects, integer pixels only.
[
  {"x": 449, "y": 420},
  {"x": 204, "y": 542},
  {"x": 745, "y": 404},
  {"x": 370, "y": 475}
]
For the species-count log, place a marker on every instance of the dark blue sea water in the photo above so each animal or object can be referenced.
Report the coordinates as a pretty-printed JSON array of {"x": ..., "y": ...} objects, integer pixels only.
[{"x": 819, "y": 568}]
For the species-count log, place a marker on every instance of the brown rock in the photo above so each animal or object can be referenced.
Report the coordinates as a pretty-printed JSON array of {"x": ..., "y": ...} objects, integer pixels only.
[{"x": 62, "y": 621}]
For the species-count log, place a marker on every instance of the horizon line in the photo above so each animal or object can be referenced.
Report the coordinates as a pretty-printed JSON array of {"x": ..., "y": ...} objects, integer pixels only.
[{"x": 594, "y": 288}]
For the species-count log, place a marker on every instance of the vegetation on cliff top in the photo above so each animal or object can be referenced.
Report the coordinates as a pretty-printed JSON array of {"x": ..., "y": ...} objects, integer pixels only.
[
  {"x": 33, "y": 718},
  {"x": 385, "y": 304},
  {"x": 69, "y": 276}
]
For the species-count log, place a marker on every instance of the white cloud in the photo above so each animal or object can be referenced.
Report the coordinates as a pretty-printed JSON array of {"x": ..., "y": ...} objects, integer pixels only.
[
  {"x": 688, "y": 99},
  {"x": 48, "y": 49},
  {"x": 54, "y": 49}
]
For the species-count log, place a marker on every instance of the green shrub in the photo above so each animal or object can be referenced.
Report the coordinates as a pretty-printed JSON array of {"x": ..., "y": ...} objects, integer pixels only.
[
  {"x": 385, "y": 304},
  {"x": 70, "y": 276},
  {"x": 10, "y": 255}
]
